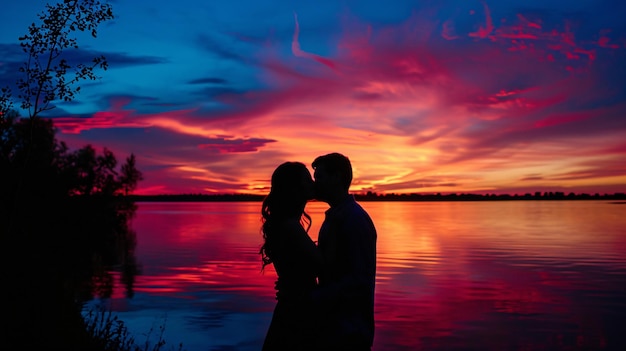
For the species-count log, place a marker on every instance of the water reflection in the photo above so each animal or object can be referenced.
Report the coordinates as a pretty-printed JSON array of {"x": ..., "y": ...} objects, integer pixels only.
[{"x": 532, "y": 275}]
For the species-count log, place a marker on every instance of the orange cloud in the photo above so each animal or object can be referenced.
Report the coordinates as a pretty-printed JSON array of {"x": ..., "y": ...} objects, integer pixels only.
[{"x": 471, "y": 111}]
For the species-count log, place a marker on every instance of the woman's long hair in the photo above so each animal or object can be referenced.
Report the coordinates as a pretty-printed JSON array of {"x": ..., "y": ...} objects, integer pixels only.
[{"x": 286, "y": 199}]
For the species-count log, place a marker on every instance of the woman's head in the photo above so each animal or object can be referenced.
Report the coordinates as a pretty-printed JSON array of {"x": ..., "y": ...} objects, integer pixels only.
[
  {"x": 291, "y": 188},
  {"x": 291, "y": 183}
]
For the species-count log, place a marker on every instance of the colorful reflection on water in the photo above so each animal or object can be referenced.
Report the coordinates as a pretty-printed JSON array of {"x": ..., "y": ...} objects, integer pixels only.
[{"x": 515, "y": 275}]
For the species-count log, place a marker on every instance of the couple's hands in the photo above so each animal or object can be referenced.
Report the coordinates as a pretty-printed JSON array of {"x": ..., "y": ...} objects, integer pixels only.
[
  {"x": 284, "y": 294},
  {"x": 279, "y": 294}
]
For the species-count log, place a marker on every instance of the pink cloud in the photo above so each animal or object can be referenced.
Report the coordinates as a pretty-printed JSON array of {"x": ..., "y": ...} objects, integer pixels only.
[
  {"x": 447, "y": 31},
  {"x": 295, "y": 48},
  {"x": 228, "y": 145},
  {"x": 484, "y": 32},
  {"x": 555, "y": 120},
  {"x": 435, "y": 112},
  {"x": 99, "y": 120}
]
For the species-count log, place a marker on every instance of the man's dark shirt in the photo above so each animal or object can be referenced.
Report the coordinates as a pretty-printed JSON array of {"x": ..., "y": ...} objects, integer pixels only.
[{"x": 347, "y": 242}]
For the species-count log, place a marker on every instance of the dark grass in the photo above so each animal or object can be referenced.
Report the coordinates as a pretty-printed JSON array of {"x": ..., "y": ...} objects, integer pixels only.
[{"x": 108, "y": 333}]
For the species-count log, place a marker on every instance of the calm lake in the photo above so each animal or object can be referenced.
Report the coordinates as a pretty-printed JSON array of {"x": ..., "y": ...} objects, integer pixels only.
[{"x": 501, "y": 275}]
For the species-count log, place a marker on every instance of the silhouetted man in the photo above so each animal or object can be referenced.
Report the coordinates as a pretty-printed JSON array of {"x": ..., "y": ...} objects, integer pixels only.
[{"x": 347, "y": 241}]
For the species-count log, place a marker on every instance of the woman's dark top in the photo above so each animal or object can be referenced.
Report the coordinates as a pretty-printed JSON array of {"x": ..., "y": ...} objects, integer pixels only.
[{"x": 296, "y": 260}]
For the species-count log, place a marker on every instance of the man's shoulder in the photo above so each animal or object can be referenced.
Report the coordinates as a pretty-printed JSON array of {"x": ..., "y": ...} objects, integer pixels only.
[
  {"x": 356, "y": 214},
  {"x": 349, "y": 210},
  {"x": 357, "y": 209}
]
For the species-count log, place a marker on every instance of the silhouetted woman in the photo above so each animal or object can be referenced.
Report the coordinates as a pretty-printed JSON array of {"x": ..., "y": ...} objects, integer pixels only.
[{"x": 294, "y": 255}]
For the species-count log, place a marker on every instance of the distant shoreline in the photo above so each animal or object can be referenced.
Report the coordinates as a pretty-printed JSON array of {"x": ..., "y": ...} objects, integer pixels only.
[{"x": 547, "y": 196}]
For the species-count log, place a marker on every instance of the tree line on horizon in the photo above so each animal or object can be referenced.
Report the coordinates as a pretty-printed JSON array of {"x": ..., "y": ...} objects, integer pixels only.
[{"x": 373, "y": 196}]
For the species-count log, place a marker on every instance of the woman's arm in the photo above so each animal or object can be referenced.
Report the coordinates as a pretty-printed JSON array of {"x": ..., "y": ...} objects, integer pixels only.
[{"x": 302, "y": 247}]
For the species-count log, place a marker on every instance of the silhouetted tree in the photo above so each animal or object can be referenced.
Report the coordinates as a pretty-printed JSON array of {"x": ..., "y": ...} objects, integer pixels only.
[
  {"x": 67, "y": 225},
  {"x": 130, "y": 175},
  {"x": 64, "y": 216},
  {"x": 47, "y": 75}
]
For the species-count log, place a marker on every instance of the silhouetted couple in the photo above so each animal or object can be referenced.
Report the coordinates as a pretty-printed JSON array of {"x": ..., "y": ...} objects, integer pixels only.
[{"x": 325, "y": 292}]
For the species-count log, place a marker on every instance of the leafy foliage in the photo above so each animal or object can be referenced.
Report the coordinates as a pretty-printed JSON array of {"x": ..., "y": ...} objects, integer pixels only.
[
  {"x": 64, "y": 214},
  {"x": 52, "y": 167},
  {"x": 47, "y": 75}
]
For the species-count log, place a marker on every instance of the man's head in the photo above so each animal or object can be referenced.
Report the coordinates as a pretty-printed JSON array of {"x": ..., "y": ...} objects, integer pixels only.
[{"x": 333, "y": 175}]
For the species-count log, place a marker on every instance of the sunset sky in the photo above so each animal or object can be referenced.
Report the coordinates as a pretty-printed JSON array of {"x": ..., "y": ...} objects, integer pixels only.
[{"x": 423, "y": 96}]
